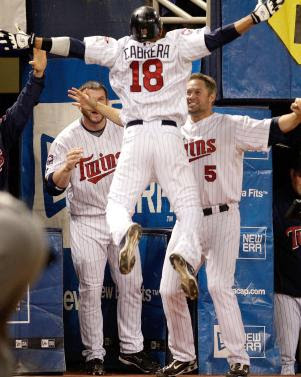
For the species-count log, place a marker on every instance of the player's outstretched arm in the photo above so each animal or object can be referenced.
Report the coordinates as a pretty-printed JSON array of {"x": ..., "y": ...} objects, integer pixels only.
[
  {"x": 82, "y": 100},
  {"x": 282, "y": 126},
  {"x": 62, "y": 46},
  {"x": 289, "y": 122},
  {"x": 262, "y": 12}
]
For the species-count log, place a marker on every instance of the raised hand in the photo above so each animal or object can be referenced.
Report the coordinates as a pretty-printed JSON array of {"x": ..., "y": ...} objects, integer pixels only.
[
  {"x": 265, "y": 9},
  {"x": 39, "y": 62},
  {"x": 73, "y": 157},
  {"x": 82, "y": 99},
  {"x": 296, "y": 107}
]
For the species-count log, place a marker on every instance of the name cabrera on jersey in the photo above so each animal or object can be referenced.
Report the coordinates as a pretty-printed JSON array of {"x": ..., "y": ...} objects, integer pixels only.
[
  {"x": 151, "y": 73},
  {"x": 92, "y": 176},
  {"x": 215, "y": 147}
]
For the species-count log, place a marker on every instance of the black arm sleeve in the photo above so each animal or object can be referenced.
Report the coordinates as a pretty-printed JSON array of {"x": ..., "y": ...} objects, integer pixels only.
[
  {"x": 276, "y": 135},
  {"x": 51, "y": 187},
  {"x": 76, "y": 50},
  {"x": 220, "y": 37}
]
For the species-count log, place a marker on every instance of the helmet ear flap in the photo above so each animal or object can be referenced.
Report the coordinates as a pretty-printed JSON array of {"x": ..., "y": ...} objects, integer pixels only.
[{"x": 145, "y": 24}]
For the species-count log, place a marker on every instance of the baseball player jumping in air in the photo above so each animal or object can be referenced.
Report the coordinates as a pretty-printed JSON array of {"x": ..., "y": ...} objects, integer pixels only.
[
  {"x": 149, "y": 71},
  {"x": 82, "y": 160},
  {"x": 215, "y": 145}
]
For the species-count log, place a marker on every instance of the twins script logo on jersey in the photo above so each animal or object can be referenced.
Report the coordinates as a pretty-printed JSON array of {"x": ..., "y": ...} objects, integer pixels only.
[
  {"x": 96, "y": 170},
  {"x": 1, "y": 160},
  {"x": 199, "y": 148},
  {"x": 294, "y": 232}
]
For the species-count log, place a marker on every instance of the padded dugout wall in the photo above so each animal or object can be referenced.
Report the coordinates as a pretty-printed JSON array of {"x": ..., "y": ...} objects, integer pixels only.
[
  {"x": 80, "y": 18},
  {"x": 36, "y": 328},
  {"x": 259, "y": 65}
]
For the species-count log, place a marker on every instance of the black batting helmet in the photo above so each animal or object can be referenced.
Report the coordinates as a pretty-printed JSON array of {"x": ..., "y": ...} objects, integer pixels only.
[{"x": 145, "y": 24}]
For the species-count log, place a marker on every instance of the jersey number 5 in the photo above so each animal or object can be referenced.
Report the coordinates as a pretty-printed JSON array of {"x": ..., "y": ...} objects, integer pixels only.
[
  {"x": 152, "y": 75},
  {"x": 210, "y": 173}
]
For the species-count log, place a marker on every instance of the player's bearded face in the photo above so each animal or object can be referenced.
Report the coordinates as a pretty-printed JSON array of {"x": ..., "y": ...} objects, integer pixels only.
[
  {"x": 199, "y": 99},
  {"x": 100, "y": 96}
]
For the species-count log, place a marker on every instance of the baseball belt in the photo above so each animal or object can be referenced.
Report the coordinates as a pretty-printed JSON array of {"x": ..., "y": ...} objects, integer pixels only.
[
  {"x": 164, "y": 122},
  {"x": 222, "y": 208}
]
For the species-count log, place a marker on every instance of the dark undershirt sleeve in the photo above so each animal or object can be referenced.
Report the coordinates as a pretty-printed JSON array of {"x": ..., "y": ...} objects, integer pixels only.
[
  {"x": 220, "y": 37},
  {"x": 76, "y": 49},
  {"x": 276, "y": 135},
  {"x": 51, "y": 187}
]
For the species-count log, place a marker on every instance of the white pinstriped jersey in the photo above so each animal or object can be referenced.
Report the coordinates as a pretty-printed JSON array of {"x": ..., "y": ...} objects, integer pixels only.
[
  {"x": 90, "y": 181},
  {"x": 215, "y": 147},
  {"x": 150, "y": 78}
]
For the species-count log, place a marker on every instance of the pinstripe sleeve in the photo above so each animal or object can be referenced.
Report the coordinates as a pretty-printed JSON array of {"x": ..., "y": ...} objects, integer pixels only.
[
  {"x": 191, "y": 43},
  {"x": 251, "y": 134},
  {"x": 101, "y": 50}
]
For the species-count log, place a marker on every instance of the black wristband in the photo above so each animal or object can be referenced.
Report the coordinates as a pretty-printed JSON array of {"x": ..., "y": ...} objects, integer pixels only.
[
  {"x": 51, "y": 187},
  {"x": 46, "y": 44}
]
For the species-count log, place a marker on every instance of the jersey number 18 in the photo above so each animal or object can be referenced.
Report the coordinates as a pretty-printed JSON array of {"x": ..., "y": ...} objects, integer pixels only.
[{"x": 152, "y": 75}]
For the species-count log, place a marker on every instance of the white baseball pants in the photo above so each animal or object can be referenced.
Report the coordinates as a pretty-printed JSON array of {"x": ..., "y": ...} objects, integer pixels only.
[{"x": 91, "y": 248}]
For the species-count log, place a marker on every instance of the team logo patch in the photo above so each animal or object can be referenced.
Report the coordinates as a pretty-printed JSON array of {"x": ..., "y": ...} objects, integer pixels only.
[
  {"x": 187, "y": 31},
  {"x": 294, "y": 234},
  {"x": 50, "y": 160}
]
